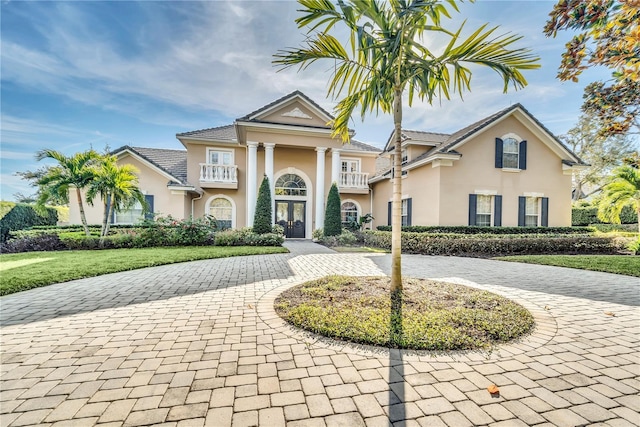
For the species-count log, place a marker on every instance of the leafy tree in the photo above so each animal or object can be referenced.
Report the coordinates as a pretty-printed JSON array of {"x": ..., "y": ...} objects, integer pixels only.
[
  {"x": 74, "y": 171},
  {"x": 333, "y": 217},
  {"x": 262, "y": 218},
  {"x": 609, "y": 32},
  {"x": 385, "y": 59},
  {"x": 117, "y": 186},
  {"x": 601, "y": 153},
  {"x": 622, "y": 190}
]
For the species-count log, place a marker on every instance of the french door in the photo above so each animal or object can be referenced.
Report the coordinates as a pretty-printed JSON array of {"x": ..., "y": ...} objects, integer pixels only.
[{"x": 290, "y": 214}]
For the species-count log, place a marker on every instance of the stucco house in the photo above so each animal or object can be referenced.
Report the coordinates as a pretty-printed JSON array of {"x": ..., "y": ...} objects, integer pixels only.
[{"x": 507, "y": 169}]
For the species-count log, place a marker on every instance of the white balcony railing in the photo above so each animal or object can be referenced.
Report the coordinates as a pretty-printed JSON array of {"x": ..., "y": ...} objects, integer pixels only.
[
  {"x": 354, "y": 180},
  {"x": 218, "y": 173}
]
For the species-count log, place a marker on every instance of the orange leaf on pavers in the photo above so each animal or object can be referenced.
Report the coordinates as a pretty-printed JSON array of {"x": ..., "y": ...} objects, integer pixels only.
[
  {"x": 608, "y": 313},
  {"x": 493, "y": 389},
  {"x": 250, "y": 306},
  {"x": 546, "y": 307}
]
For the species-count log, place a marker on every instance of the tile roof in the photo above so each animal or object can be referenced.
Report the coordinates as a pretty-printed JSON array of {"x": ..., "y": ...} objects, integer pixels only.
[
  {"x": 220, "y": 133},
  {"x": 172, "y": 162},
  {"x": 361, "y": 146}
]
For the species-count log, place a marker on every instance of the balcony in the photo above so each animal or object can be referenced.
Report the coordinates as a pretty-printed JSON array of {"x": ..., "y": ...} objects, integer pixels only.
[
  {"x": 218, "y": 176},
  {"x": 354, "y": 182}
]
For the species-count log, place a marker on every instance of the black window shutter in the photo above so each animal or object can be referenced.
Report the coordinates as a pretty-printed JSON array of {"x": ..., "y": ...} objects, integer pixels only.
[
  {"x": 473, "y": 202},
  {"x": 409, "y": 211},
  {"x": 149, "y": 212},
  {"x": 544, "y": 220},
  {"x": 497, "y": 211},
  {"x": 389, "y": 214},
  {"x": 522, "y": 157},
  {"x": 522, "y": 209},
  {"x": 499, "y": 147}
]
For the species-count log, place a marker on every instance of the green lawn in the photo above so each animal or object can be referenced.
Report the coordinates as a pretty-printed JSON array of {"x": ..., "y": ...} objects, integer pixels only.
[
  {"x": 19, "y": 272},
  {"x": 619, "y": 264}
]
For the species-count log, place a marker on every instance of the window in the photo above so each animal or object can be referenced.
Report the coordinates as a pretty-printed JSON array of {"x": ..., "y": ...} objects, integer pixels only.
[
  {"x": 350, "y": 165},
  {"x": 290, "y": 185},
  {"x": 222, "y": 210},
  {"x": 220, "y": 157},
  {"x": 510, "y": 153},
  {"x": 349, "y": 211},
  {"x": 531, "y": 212},
  {"x": 405, "y": 156},
  {"x": 483, "y": 211},
  {"x": 129, "y": 216},
  {"x": 405, "y": 212}
]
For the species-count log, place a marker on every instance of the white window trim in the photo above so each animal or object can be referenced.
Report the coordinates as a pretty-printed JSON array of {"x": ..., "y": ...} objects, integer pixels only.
[
  {"x": 538, "y": 197},
  {"x": 517, "y": 138},
  {"x": 207, "y": 205},
  {"x": 491, "y": 195},
  {"x": 221, "y": 150},
  {"x": 115, "y": 215},
  {"x": 351, "y": 159},
  {"x": 358, "y": 208}
]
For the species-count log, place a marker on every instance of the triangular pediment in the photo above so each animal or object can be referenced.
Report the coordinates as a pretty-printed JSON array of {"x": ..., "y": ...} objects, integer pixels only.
[{"x": 294, "y": 109}]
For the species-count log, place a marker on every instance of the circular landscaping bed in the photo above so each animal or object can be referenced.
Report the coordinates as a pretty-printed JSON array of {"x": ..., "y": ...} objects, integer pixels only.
[{"x": 434, "y": 315}]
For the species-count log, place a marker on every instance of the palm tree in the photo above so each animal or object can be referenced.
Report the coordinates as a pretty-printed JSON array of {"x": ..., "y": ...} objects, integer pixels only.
[
  {"x": 386, "y": 59},
  {"x": 72, "y": 171},
  {"x": 117, "y": 187},
  {"x": 622, "y": 190}
]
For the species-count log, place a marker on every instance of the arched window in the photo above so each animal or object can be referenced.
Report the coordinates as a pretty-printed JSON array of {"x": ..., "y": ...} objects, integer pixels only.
[
  {"x": 221, "y": 209},
  {"x": 510, "y": 153},
  {"x": 349, "y": 211},
  {"x": 290, "y": 185}
]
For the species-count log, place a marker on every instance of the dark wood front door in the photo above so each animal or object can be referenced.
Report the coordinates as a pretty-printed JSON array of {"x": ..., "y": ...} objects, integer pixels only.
[{"x": 290, "y": 214}]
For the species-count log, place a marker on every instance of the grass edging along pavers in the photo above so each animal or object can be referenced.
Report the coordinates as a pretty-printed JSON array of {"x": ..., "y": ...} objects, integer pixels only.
[
  {"x": 628, "y": 265},
  {"x": 19, "y": 272}
]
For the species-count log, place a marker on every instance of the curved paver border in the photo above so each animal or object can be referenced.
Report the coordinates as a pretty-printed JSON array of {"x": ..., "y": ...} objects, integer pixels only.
[{"x": 544, "y": 331}]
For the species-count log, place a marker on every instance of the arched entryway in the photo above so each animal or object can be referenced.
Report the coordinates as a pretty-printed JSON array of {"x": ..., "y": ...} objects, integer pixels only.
[{"x": 292, "y": 203}]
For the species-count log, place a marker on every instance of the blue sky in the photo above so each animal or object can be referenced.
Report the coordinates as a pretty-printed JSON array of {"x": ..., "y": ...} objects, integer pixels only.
[{"x": 76, "y": 75}]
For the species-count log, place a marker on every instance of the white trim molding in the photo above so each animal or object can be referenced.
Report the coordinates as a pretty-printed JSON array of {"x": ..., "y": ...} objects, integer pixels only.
[{"x": 207, "y": 205}]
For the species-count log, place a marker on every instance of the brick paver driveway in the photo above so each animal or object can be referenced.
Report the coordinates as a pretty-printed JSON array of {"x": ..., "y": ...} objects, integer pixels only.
[{"x": 199, "y": 344}]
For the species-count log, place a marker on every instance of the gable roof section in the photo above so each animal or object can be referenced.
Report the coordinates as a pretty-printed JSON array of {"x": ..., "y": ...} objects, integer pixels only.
[
  {"x": 355, "y": 145},
  {"x": 171, "y": 163},
  {"x": 428, "y": 138},
  {"x": 220, "y": 133},
  {"x": 262, "y": 111},
  {"x": 453, "y": 141}
]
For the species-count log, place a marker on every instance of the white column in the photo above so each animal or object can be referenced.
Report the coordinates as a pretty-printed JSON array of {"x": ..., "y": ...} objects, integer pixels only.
[
  {"x": 252, "y": 171},
  {"x": 320, "y": 187},
  {"x": 335, "y": 166},
  {"x": 268, "y": 171}
]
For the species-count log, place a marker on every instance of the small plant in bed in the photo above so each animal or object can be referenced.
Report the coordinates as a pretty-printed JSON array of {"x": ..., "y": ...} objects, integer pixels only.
[{"x": 435, "y": 316}]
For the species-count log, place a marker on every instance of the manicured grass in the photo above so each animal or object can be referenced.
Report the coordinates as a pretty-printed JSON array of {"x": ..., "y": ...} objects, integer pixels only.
[
  {"x": 432, "y": 315},
  {"x": 618, "y": 264},
  {"x": 19, "y": 272}
]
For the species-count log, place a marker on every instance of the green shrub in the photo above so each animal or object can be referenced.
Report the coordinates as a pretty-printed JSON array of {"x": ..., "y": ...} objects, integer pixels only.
[
  {"x": 43, "y": 242},
  {"x": 634, "y": 246},
  {"x": 25, "y": 216},
  {"x": 428, "y": 244},
  {"x": 608, "y": 228},
  {"x": 333, "y": 216},
  {"x": 277, "y": 229},
  {"x": 245, "y": 237},
  {"x": 262, "y": 218},
  {"x": 589, "y": 215},
  {"x": 464, "y": 229}
]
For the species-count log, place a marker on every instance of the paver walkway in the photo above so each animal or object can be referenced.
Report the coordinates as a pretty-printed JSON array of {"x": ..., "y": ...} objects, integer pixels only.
[{"x": 199, "y": 344}]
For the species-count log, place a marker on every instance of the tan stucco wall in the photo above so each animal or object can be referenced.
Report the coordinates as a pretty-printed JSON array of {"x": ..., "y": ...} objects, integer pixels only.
[
  {"x": 475, "y": 171},
  {"x": 151, "y": 182}
]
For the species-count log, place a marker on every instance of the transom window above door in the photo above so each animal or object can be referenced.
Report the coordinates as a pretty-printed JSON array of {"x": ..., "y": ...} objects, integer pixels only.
[
  {"x": 220, "y": 157},
  {"x": 290, "y": 184}
]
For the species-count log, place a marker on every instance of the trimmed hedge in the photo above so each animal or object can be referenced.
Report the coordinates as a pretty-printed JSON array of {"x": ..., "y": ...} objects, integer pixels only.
[
  {"x": 489, "y": 230},
  {"x": 589, "y": 215},
  {"x": 24, "y": 216},
  {"x": 428, "y": 244}
]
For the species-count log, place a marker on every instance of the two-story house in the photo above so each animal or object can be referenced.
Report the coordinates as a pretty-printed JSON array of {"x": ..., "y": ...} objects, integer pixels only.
[{"x": 504, "y": 170}]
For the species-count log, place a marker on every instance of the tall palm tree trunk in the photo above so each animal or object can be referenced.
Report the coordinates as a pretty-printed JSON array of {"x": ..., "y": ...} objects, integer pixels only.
[
  {"x": 396, "y": 203},
  {"x": 105, "y": 219},
  {"x": 83, "y": 217},
  {"x": 109, "y": 213}
]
